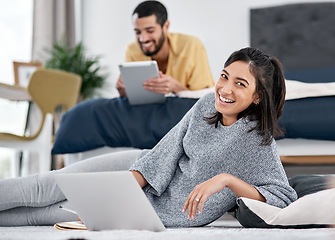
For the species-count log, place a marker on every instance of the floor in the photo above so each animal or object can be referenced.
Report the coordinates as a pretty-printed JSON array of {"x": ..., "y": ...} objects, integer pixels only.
[
  {"x": 221, "y": 229},
  {"x": 225, "y": 228}
]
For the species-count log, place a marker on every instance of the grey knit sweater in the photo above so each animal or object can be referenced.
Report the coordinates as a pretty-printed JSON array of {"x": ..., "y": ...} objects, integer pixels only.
[{"x": 194, "y": 151}]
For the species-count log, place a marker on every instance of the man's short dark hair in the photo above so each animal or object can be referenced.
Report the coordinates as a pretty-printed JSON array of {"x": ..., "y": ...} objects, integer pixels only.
[{"x": 148, "y": 8}]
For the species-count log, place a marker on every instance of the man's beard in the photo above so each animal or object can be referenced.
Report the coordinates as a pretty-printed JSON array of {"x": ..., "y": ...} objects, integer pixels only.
[{"x": 157, "y": 47}]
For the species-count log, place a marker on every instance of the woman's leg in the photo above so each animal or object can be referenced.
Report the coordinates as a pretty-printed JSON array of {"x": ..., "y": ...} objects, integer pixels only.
[
  {"x": 41, "y": 190},
  {"x": 32, "y": 216}
]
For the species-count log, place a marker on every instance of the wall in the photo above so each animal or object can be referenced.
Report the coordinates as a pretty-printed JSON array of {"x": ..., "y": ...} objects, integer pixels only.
[{"x": 222, "y": 25}]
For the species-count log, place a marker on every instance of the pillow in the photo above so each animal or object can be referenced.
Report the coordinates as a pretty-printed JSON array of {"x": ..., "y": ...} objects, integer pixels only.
[
  {"x": 297, "y": 89},
  {"x": 312, "y": 209},
  {"x": 305, "y": 212}
]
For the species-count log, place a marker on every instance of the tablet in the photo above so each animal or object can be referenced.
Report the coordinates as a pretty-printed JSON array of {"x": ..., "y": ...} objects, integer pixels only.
[{"x": 134, "y": 74}]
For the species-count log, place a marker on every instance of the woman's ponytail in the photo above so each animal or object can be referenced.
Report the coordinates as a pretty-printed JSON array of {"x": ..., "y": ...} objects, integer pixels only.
[{"x": 279, "y": 89}]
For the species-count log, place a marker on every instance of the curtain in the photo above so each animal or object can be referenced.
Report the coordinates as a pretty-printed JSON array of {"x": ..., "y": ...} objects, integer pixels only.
[{"x": 53, "y": 20}]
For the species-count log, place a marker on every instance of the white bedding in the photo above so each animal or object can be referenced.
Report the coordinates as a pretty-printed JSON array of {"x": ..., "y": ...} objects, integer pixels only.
[
  {"x": 294, "y": 90},
  {"x": 297, "y": 89}
]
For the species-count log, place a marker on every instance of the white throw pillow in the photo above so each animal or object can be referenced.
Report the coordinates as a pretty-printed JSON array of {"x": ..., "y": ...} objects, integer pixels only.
[{"x": 317, "y": 209}]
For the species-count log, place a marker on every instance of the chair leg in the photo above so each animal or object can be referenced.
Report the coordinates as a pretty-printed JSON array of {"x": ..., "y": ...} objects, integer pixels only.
[{"x": 16, "y": 163}]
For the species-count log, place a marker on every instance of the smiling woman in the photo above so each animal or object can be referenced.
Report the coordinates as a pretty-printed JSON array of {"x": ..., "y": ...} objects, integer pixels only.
[
  {"x": 235, "y": 91},
  {"x": 196, "y": 172}
]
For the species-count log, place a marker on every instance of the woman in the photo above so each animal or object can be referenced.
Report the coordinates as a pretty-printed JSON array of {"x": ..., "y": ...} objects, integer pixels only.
[{"x": 222, "y": 149}]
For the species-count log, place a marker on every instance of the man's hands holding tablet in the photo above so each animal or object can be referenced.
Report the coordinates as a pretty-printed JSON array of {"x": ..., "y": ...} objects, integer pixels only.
[{"x": 162, "y": 85}]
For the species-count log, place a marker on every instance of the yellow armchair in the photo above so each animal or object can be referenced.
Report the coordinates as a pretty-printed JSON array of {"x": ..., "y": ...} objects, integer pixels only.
[{"x": 48, "y": 89}]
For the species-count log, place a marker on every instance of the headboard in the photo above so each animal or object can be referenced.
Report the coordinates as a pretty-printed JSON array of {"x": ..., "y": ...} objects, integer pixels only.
[{"x": 301, "y": 36}]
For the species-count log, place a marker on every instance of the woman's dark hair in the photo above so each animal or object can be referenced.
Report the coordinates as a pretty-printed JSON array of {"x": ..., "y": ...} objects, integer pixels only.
[
  {"x": 270, "y": 86},
  {"x": 148, "y": 8}
]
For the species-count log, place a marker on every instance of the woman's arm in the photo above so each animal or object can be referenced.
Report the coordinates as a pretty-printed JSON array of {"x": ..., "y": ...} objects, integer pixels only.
[
  {"x": 203, "y": 191},
  {"x": 165, "y": 155}
]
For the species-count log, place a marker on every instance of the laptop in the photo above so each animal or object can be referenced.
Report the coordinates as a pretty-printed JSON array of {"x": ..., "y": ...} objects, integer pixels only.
[
  {"x": 134, "y": 74},
  {"x": 109, "y": 200}
]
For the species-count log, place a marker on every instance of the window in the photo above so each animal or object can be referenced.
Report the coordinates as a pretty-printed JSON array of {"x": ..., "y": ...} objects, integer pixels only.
[{"x": 16, "y": 27}]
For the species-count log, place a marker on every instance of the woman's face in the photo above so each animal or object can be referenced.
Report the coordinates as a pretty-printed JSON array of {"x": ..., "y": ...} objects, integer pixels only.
[{"x": 235, "y": 91}]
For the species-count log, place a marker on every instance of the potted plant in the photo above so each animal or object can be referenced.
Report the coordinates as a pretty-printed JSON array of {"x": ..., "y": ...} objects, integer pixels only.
[{"x": 75, "y": 60}]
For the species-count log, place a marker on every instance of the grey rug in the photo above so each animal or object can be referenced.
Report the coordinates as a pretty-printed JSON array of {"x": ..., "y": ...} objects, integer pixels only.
[{"x": 221, "y": 229}]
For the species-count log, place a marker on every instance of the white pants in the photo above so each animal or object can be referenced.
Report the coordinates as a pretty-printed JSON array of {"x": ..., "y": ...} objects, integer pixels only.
[{"x": 35, "y": 199}]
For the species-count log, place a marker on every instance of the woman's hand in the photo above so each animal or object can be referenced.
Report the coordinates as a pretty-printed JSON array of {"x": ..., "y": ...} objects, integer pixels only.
[
  {"x": 139, "y": 178},
  {"x": 202, "y": 192}
]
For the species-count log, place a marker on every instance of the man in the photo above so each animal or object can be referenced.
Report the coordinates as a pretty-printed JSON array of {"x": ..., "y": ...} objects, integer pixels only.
[
  {"x": 181, "y": 58},
  {"x": 183, "y": 65}
]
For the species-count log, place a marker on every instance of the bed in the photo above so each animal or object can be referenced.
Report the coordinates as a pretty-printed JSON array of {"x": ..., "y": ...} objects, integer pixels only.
[{"x": 302, "y": 37}]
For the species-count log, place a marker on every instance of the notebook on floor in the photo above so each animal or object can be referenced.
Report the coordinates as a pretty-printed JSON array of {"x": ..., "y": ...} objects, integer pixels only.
[{"x": 109, "y": 200}]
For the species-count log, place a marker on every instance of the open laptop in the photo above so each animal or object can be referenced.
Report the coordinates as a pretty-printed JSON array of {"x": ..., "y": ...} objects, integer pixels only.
[
  {"x": 134, "y": 74},
  {"x": 109, "y": 200}
]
